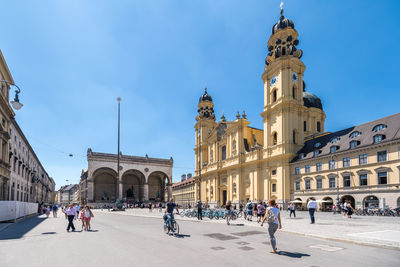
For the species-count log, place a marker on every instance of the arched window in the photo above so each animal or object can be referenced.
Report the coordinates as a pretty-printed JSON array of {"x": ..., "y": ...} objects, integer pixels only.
[
  {"x": 379, "y": 127},
  {"x": 275, "y": 139},
  {"x": 378, "y": 138},
  {"x": 274, "y": 95},
  {"x": 211, "y": 155},
  {"x": 354, "y": 144},
  {"x": 355, "y": 134},
  {"x": 318, "y": 126}
]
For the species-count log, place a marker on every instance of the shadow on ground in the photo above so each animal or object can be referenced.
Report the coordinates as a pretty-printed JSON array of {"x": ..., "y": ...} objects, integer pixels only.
[
  {"x": 19, "y": 229},
  {"x": 292, "y": 254},
  {"x": 181, "y": 236}
]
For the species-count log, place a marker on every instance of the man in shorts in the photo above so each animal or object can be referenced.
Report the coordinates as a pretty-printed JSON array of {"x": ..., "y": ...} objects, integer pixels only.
[{"x": 169, "y": 211}]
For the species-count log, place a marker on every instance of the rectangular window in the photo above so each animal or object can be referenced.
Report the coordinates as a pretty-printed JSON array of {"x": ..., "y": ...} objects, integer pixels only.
[
  {"x": 346, "y": 162},
  {"x": 346, "y": 181},
  {"x": 307, "y": 168},
  {"x": 274, "y": 188},
  {"x": 308, "y": 184},
  {"x": 382, "y": 156},
  {"x": 318, "y": 126},
  {"x": 332, "y": 164},
  {"x": 297, "y": 185},
  {"x": 224, "y": 153},
  {"x": 305, "y": 126},
  {"x": 273, "y": 172},
  {"x": 332, "y": 182},
  {"x": 318, "y": 166},
  {"x": 363, "y": 179},
  {"x": 382, "y": 178},
  {"x": 363, "y": 159},
  {"x": 297, "y": 170},
  {"x": 319, "y": 183}
]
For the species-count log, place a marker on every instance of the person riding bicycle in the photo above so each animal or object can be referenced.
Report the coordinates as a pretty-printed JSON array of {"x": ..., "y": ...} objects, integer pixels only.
[{"x": 169, "y": 211}]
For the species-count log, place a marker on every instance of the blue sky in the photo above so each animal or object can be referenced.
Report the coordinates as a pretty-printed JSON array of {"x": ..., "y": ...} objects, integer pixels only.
[{"x": 72, "y": 59}]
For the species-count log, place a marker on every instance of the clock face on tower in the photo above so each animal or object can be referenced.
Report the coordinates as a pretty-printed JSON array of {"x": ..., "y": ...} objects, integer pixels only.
[
  {"x": 295, "y": 77},
  {"x": 273, "y": 80}
]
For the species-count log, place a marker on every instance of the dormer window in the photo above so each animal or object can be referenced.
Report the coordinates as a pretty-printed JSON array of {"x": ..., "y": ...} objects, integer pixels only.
[
  {"x": 379, "y": 127},
  {"x": 301, "y": 156},
  {"x": 317, "y": 145},
  {"x": 355, "y": 134},
  {"x": 378, "y": 138},
  {"x": 335, "y": 140},
  {"x": 316, "y": 153},
  {"x": 354, "y": 144},
  {"x": 334, "y": 148}
]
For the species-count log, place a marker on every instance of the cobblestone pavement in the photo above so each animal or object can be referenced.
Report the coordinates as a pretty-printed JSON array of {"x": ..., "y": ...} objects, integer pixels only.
[
  {"x": 127, "y": 239},
  {"x": 367, "y": 230}
]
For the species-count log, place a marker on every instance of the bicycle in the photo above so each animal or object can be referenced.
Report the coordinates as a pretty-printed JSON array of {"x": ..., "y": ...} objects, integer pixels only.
[{"x": 172, "y": 226}]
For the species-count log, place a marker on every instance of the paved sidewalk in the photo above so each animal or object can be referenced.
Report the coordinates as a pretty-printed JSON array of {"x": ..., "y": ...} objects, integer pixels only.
[{"x": 365, "y": 230}]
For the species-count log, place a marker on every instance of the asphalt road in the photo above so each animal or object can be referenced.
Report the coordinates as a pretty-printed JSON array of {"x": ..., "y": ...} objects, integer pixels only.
[{"x": 119, "y": 240}]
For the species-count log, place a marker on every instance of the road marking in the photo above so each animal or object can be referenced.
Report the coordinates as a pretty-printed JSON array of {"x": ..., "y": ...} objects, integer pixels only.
[{"x": 326, "y": 247}]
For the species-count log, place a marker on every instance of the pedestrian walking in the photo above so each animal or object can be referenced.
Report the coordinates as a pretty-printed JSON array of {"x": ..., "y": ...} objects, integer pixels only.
[
  {"x": 345, "y": 209},
  {"x": 350, "y": 210},
  {"x": 292, "y": 208},
  {"x": 334, "y": 209},
  {"x": 228, "y": 212},
  {"x": 273, "y": 218},
  {"x": 260, "y": 211},
  {"x": 249, "y": 207},
  {"x": 199, "y": 210},
  {"x": 312, "y": 207},
  {"x": 55, "y": 209},
  {"x": 47, "y": 211},
  {"x": 87, "y": 216},
  {"x": 71, "y": 214}
]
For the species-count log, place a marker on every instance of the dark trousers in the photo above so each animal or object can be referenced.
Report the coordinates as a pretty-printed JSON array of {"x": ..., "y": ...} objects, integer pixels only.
[
  {"x": 199, "y": 214},
  {"x": 71, "y": 222},
  {"x": 311, "y": 211},
  {"x": 294, "y": 213}
]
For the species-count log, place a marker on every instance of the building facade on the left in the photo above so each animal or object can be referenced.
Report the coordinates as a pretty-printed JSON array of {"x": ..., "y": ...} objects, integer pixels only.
[
  {"x": 6, "y": 113},
  {"x": 22, "y": 176},
  {"x": 29, "y": 180}
]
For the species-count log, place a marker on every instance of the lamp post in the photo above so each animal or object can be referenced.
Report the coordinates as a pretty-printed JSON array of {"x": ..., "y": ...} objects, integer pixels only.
[
  {"x": 334, "y": 157},
  {"x": 119, "y": 105},
  {"x": 15, "y": 103}
]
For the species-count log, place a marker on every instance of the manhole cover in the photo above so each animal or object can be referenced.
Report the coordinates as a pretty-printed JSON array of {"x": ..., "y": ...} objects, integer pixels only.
[
  {"x": 217, "y": 248},
  {"x": 221, "y": 237},
  {"x": 246, "y": 248},
  {"x": 326, "y": 247},
  {"x": 247, "y": 233},
  {"x": 242, "y": 243}
]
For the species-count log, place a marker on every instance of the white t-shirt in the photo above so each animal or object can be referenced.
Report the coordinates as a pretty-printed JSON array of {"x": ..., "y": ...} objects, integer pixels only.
[
  {"x": 276, "y": 212},
  {"x": 312, "y": 204}
]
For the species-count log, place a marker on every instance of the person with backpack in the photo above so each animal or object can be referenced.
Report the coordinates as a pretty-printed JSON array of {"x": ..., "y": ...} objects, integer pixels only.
[
  {"x": 249, "y": 208},
  {"x": 199, "y": 210},
  {"x": 273, "y": 218},
  {"x": 260, "y": 211}
]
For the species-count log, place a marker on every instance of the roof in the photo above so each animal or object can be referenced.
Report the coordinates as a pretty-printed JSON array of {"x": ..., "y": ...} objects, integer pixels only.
[
  {"x": 365, "y": 139},
  {"x": 186, "y": 182},
  {"x": 69, "y": 187},
  {"x": 146, "y": 159}
]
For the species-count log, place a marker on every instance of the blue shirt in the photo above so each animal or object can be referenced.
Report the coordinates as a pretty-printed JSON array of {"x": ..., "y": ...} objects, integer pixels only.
[{"x": 170, "y": 207}]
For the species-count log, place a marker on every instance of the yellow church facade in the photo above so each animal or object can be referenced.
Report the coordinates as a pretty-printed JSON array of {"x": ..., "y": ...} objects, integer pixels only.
[{"x": 236, "y": 162}]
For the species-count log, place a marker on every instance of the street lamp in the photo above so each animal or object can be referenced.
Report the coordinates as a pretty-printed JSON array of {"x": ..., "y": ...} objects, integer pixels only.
[
  {"x": 119, "y": 104},
  {"x": 15, "y": 103}
]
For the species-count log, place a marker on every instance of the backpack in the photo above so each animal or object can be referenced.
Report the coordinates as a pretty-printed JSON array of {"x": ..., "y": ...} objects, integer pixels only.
[
  {"x": 250, "y": 206},
  {"x": 271, "y": 216}
]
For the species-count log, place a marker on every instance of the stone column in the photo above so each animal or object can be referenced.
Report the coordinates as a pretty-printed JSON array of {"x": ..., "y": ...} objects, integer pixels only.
[
  {"x": 146, "y": 192},
  {"x": 120, "y": 186},
  {"x": 90, "y": 191}
]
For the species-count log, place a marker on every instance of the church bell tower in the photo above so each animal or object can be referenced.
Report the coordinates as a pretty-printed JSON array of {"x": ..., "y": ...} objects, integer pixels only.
[{"x": 289, "y": 113}]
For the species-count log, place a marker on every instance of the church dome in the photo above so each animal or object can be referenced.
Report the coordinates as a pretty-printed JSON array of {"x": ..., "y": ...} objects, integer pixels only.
[
  {"x": 205, "y": 97},
  {"x": 283, "y": 23},
  {"x": 311, "y": 101}
]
